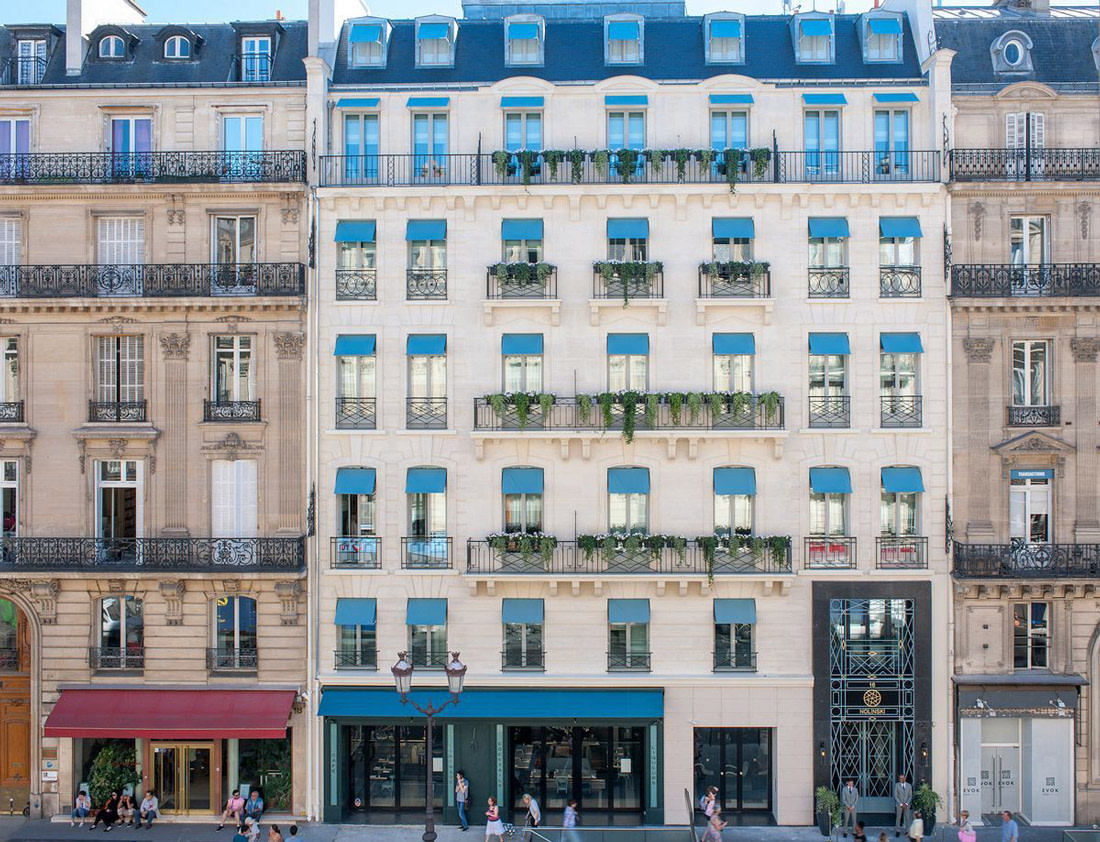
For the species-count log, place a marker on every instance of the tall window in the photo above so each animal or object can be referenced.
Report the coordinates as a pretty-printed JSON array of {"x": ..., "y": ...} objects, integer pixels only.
[
  {"x": 120, "y": 370},
  {"x": 1031, "y": 373},
  {"x": 118, "y": 506},
  {"x": 815, "y": 40},
  {"x": 433, "y": 44},
  {"x": 427, "y": 623},
  {"x": 522, "y": 357},
  {"x": 356, "y": 256},
  {"x": 828, "y": 375},
  {"x": 428, "y": 255},
  {"x": 883, "y": 39},
  {"x": 234, "y": 376},
  {"x": 624, "y": 39},
  {"x": 517, "y": 249},
  {"x": 522, "y": 490},
  {"x": 131, "y": 143},
  {"x": 830, "y": 489},
  {"x": 31, "y": 61},
  {"x": 9, "y": 499},
  {"x": 9, "y": 376},
  {"x": 234, "y": 240},
  {"x": 1031, "y": 507},
  {"x": 628, "y": 500},
  {"x": 828, "y": 252},
  {"x": 15, "y": 140},
  {"x": 734, "y": 497},
  {"x": 361, "y": 145},
  {"x": 733, "y": 362},
  {"x": 235, "y": 632},
  {"x": 733, "y": 646},
  {"x": 355, "y": 376},
  {"x": 427, "y": 376},
  {"x": 357, "y": 515},
  {"x": 256, "y": 59},
  {"x": 899, "y": 508},
  {"x": 233, "y": 499},
  {"x": 523, "y": 638},
  {"x": 524, "y": 42},
  {"x": 628, "y": 634},
  {"x": 821, "y": 136},
  {"x": 626, "y": 248},
  {"x": 625, "y": 130},
  {"x": 366, "y": 46},
  {"x": 357, "y": 524},
  {"x": 523, "y": 130},
  {"x": 357, "y": 646},
  {"x": 892, "y": 140},
  {"x": 897, "y": 251},
  {"x": 121, "y": 633},
  {"x": 243, "y": 133},
  {"x": 732, "y": 249},
  {"x": 627, "y": 370},
  {"x": 120, "y": 240},
  {"x": 898, "y": 375},
  {"x": 1030, "y": 635},
  {"x": 1029, "y": 241},
  {"x": 725, "y": 41},
  {"x": 426, "y": 491},
  {"x": 729, "y": 129}
]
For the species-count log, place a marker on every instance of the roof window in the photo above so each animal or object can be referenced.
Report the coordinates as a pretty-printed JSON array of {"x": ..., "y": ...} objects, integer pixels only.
[{"x": 624, "y": 39}]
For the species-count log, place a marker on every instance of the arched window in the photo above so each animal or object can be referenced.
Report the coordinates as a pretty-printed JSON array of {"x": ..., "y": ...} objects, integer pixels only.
[
  {"x": 112, "y": 46},
  {"x": 177, "y": 47}
]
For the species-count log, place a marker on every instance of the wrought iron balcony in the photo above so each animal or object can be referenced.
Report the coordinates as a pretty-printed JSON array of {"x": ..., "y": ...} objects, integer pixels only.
[
  {"x": 734, "y": 660},
  {"x": 1005, "y": 280},
  {"x": 116, "y": 412},
  {"x": 11, "y": 412},
  {"x": 859, "y": 167},
  {"x": 626, "y": 280},
  {"x": 153, "y": 280},
  {"x": 900, "y": 411},
  {"x": 23, "y": 70},
  {"x": 829, "y": 282},
  {"x": 518, "y": 659},
  {"x": 255, "y": 67},
  {"x": 230, "y": 412},
  {"x": 152, "y": 555},
  {"x": 356, "y": 413},
  {"x": 1022, "y": 561},
  {"x": 899, "y": 282},
  {"x": 508, "y": 281},
  {"x": 1033, "y": 416},
  {"x": 168, "y": 168},
  {"x": 1026, "y": 164},
  {"x": 620, "y": 661},
  {"x": 362, "y": 552},
  {"x": 243, "y": 659},
  {"x": 356, "y": 284},
  {"x": 831, "y": 411},
  {"x": 426, "y": 552},
  {"x": 419, "y": 657},
  {"x": 426, "y": 285},
  {"x": 426, "y": 413},
  {"x": 116, "y": 658},
  {"x": 830, "y": 553},
  {"x": 352, "y": 658},
  {"x": 901, "y": 553},
  {"x": 735, "y": 280},
  {"x": 749, "y": 412}
]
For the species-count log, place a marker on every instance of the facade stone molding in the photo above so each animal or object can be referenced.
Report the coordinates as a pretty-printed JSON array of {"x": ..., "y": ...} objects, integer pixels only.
[
  {"x": 172, "y": 592},
  {"x": 288, "y": 593},
  {"x": 1084, "y": 349},
  {"x": 230, "y": 446},
  {"x": 175, "y": 346},
  {"x": 44, "y": 592},
  {"x": 289, "y": 346},
  {"x": 978, "y": 350}
]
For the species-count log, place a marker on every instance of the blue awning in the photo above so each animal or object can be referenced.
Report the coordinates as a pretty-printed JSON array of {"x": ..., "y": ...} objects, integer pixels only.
[
  {"x": 622, "y": 229},
  {"x": 734, "y": 481},
  {"x": 828, "y": 226},
  {"x": 521, "y": 481},
  {"x": 428, "y": 31},
  {"x": 365, "y": 33},
  {"x": 628, "y": 343},
  {"x": 725, "y": 29},
  {"x": 628, "y": 611},
  {"x": 901, "y": 343},
  {"x": 426, "y": 481},
  {"x": 730, "y": 611},
  {"x": 428, "y": 102},
  {"x": 623, "y": 30},
  {"x": 355, "y": 231},
  {"x": 521, "y": 229},
  {"x": 829, "y": 343},
  {"x": 731, "y": 99},
  {"x": 426, "y": 345},
  {"x": 521, "y": 611},
  {"x": 356, "y": 612},
  {"x": 426, "y": 612},
  {"x": 354, "y": 481},
  {"x": 902, "y": 481},
  {"x": 355, "y": 345},
  {"x": 361, "y": 102},
  {"x": 889, "y": 98},
  {"x": 638, "y": 99},
  {"x": 733, "y": 343},
  {"x": 628, "y": 480},
  {"x": 830, "y": 481},
  {"x": 884, "y": 25},
  {"x": 521, "y": 102},
  {"x": 548, "y": 704},
  {"x": 733, "y": 227},
  {"x": 899, "y": 227},
  {"x": 520, "y": 343},
  {"x": 1031, "y": 473},
  {"x": 426, "y": 229},
  {"x": 523, "y": 31},
  {"x": 824, "y": 99},
  {"x": 815, "y": 27}
]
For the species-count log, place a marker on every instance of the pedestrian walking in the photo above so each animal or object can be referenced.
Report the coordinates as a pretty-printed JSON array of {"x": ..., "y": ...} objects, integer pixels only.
[
  {"x": 715, "y": 826},
  {"x": 150, "y": 809},
  {"x": 916, "y": 829},
  {"x": 462, "y": 798},
  {"x": 707, "y": 802},
  {"x": 966, "y": 829},
  {"x": 1010, "y": 831},
  {"x": 849, "y": 801},
  {"x": 860, "y": 835},
  {"x": 273, "y": 834},
  {"x": 494, "y": 826},
  {"x": 82, "y": 806},
  {"x": 251, "y": 829},
  {"x": 903, "y": 799},
  {"x": 569, "y": 820}
]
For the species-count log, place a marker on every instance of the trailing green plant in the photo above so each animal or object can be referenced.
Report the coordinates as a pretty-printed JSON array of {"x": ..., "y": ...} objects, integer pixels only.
[
  {"x": 678, "y": 544},
  {"x": 522, "y": 403},
  {"x": 681, "y": 157},
  {"x": 695, "y": 407},
  {"x": 675, "y": 406},
  {"x": 626, "y": 162},
  {"x": 629, "y": 403},
  {"x": 927, "y": 800},
  {"x": 588, "y": 545},
  {"x": 113, "y": 769},
  {"x": 829, "y": 803},
  {"x": 600, "y": 159},
  {"x": 770, "y": 401},
  {"x": 553, "y": 159},
  {"x": 740, "y": 403},
  {"x": 584, "y": 409},
  {"x": 709, "y": 545},
  {"x": 502, "y": 162},
  {"x": 735, "y": 268},
  {"x": 732, "y": 159},
  {"x": 522, "y": 272},
  {"x": 498, "y": 402},
  {"x": 528, "y": 160},
  {"x": 527, "y": 544},
  {"x": 717, "y": 403},
  {"x": 705, "y": 158},
  {"x": 546, "y": 401},
  {"x": 576, "y": 163},
  {"x": 759, "y": 160},
  {"x": 779, "y": 545},
  {"x": 607, "y": 401},
  {"x": 656, "y": 158},
  {"x": 652, "y": 403},
  {"x": 629, "y": 273}
]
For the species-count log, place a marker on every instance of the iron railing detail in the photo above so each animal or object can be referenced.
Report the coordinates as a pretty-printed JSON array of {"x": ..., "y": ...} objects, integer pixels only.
[
  {"x": 351, "y": 658},
  {"x": 427, "y": 552},
  {"x": 1033, "y": 416},
  {"x": 859, "y": 167},
  {"x": 153, "y": 280},
  {"x": 356, "y": 284},
  {"x": 531, "y": 658},
  {"x": 831, "y": 411},
  {"x": 230, "y": 411},
  {"x": 420, "y": 657},
  {"x": 829, "y": 282},
  {"x": 356, "y": 413},
  {"x": 426, "y": 413},
  {"x": 830, "y": 553},
  {"x": 725, "y": 283},
  {"x": 45, "y": 168},
  {"x": 899, "y": 282},
  {"x": 900, "y": 411},
  {"x": 621, "y": 287},
  {"x": 23, "y": 70},
  {"x": 359, "y": 551},
  {"x": 1025, "y": 164},
  {"x": 1021, "y": 560},
  {"x": 426, "y": 285},
  {"x": 117, "y": 412},
  {"x": 901, "y": 553},
  {"x": 509, "y": 286},
  {"x": 116, "y": 658},
  {"x": 243, "y": 659},
  {"x": 152, "y": 555},
  {"x": 11, "y": 412},
  {"x": 1005, "y": 280},
  {"x": 620, "y": 661},
  {"x": 734, "y": 660}
]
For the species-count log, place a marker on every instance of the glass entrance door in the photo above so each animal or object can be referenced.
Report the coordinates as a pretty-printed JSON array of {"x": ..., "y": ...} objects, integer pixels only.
[
  {"x": 738, "y": 762},
  {"x": 181, "y": 777}
]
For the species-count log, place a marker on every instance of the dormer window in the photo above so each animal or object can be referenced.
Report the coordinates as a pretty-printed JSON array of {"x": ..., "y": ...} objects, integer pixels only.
[
  {"x": 112, "y": 46},
  {"x": 1096, "y": 54},
  {"x": 624, "y": 40},
  {"x": 725, "y": 40},
  {"x": 882, "y": 38},
  {"x": 30, "y": 61},
  {"x": 523, "y": 41},
  {"x": 367, "y": 44},
  {"x": 256, "y": 58},
  {"x": 434, "y": 43},
  {"x": 177, "y": 47},
  {"x": 1011, "y": 53},
  {"x": 815, "y": 40}
]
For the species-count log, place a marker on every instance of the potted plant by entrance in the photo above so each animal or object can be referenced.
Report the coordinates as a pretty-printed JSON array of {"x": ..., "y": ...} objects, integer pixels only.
[
  {"x": 828, "y": 810},
  {"x": 927, "y": 800}
]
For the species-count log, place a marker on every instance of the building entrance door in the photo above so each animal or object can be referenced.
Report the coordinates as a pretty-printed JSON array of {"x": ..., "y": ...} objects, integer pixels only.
[
  {"x": 738, "y": 762},
  {"x": 181, "y": 777},
  {"x": 1000, "y": 778}
]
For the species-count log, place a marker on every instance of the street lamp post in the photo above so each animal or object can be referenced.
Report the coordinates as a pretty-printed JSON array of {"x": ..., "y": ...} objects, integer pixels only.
[{"x": 456, "y": 678}]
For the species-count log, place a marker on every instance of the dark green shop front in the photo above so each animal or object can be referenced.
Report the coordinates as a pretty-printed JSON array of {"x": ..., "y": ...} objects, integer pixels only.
[{"x": 599, "y": 746}]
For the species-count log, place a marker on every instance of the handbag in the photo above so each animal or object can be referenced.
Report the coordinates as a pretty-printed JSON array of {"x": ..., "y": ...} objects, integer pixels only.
[{"x": 968, "y": 836}]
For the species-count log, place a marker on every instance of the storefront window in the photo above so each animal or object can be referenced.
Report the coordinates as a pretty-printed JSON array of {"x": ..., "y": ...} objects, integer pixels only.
[
  {"x": 265, "y": 765},
  {"x": 103, "y": 766},
  {"x": 386, "y": 768}
]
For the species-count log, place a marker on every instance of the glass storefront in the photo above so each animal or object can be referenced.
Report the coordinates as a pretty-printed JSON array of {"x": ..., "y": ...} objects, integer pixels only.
[
  {"x": 739, "y": 762},
  {"x": 386, "y": 770}
]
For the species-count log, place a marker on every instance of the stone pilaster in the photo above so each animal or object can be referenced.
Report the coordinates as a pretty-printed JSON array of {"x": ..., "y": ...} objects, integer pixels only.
[
  {"x": 288, "y": 352},
  {"x": 1085, "y": 351},
  {"x": 982, "y": 416},
  {"x": 176, "y": 348}
]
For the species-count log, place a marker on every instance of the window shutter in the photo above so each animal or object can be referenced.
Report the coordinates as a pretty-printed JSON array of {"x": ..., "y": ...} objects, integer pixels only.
[
  {"x": 1037, "y": 127},
  {"x": 1015, "y": 126},
  {"x": 121, "y": 240},
  {"x": 234, "y": 499},
  {"x": 106, "y": 369},
  {"x": 222, "y": 509},
  {"x": 245, "y": 502},
  {"x": 10, "y": 245},
  {"x": 132, "y": 368}
]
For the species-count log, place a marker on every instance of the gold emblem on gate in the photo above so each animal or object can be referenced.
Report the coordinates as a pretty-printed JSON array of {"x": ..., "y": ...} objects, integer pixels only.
[{"x": 872, "y": 698}]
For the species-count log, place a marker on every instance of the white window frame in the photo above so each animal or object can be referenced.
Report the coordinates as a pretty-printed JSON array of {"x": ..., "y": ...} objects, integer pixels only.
[
  {"x": 715, "y": 56},
  {"x": 734, "y": 514},
  {"x": 120, "y": 240},
  {"x": 1025, "y": 221},
  {"x": 528, "y": 56},
  {"x": 875, "y": 47},
  {"x": 9, "y": 482},
  {"x": 363, "y": 379},
  {"x": 441, "y": 53},
  {"x": 525, "y": 116},
  {"x": 1029, "y": 347},
  {"x": 829, "y": 369},
  {"x": 235, "y": 599},
  {"x": 114, "y": 381},
  {"x": 256, "y": 58},
  {"x": 236, "y": 219},
  {"x": 30, "y": 70},
  {"x": 365, "y": 515},
  {"x": 526, "y": 519},
  {"x": 524, "y": 364},
  {"x": 807, "y": 56},
  {"x": 234, "y": 498},
  {"x": 631, "y": 364},
  {"x": 630, "y": 631},
  {"x": 823, "y": 509},
  {"x": 112, "y": 47},
  {"x": 1032, "y": 633},
  {"x": 629, "y": 503},
  {"x": 132, "y": 475},
  {"x": 1024, "y": 496},
  {"x": 895, "y": 372},
  {"x": 621, "y": 52},
  {"x": 172, "y": 49},
  {"x": 124, "y": 601},
  {"x": 734, "y": 372},
  {"x": 240, "y": 351},
  {"x": 10, "y": 377}
]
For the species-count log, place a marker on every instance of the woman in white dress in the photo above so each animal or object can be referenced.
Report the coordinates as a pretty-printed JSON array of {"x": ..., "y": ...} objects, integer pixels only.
[{"x": 494, "y": 826}]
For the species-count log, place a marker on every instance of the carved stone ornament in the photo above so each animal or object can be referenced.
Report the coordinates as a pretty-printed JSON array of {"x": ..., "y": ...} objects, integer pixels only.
[
  {"x": 1084, "y": 349},
  {"x": 231, "y": 445},
  {"x": 117, "y": 322},
  {"x": 1033, "y": 450},
  {"x": 1084, "y": 217},
  {"x": 172, "y": 593},
  {"x": 176, "y": 213},
  {"x": 118, "y": 447},
  {"x": 175, "y": 346},
  {"x": 978, "y": 212},
  {"x": 44, "y": 593},
  {"x": 978, "y": 350},
  {"x": 288, "y": 346},
  {"x": 288, "y": 593},
  {"x": 290, "y": 209}
]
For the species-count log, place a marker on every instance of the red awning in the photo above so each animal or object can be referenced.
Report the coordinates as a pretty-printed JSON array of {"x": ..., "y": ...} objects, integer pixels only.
[{"x": 171, "y": 714}]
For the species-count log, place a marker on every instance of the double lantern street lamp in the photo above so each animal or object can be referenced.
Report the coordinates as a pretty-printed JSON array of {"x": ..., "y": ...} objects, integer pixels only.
[{"x": 456, "y": 678}]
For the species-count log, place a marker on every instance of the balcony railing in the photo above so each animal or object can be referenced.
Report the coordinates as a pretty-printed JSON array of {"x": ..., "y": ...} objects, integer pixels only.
[
  {"x": 115, "y": 658},
  {"x": 153, "y": 555},
  {"x": 256, "y": 67},
  {"x": 531, "y": 658},
  {"x": 426, "y": 413},
  {"x": 361, "y": 552},
  {"x": 507, "y": 281},
  {"x": 734, "y": 660},
  {"x": 427, "y": 552},
  {"x": 900, "y": 411},
  {"x": 116, "y": 412},
  {"x": 428, "y": 660},
  {"x": 241, "y": 659},
  {"x": 1033, "y": 416},
  {"x": 1026, "y": 164},
  {"x": 356, "y": 284},
  {"x": 569, "y": 559},
  {"x": 45, "y": 168},
  {"x": 628, "y": 280},
  {"x": 153, "y": 280},
  {"x": 828, "y": 282},
  {"x": 347, "y": 659},
  {"x": 599, "y": 167},
  {"x": 831, "y": 411},
  {"x": 1020, "y": 560},
  {"x": 426, "y": 285},
  {"x": 899, "y": 282},
  {"x": 723, "y": 280},
  {"x": 833, "y": 553},
  {"x": 1004, "y": 280},
  {"x": 629, "y": 661},
  {"x": 356, "y": 413},
  {"x": 901, "y": 553},
  {"x": 23, "y": 70},
  {"x": 230, "y": 412},
  {"x": 11, "y": 412},
  {"x": 566, "y": 413}
]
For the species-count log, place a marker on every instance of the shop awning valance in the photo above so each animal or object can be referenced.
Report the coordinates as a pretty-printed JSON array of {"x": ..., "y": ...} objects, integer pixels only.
[
  {"x": 521, "y": 481},
  {"x": 899, "y": 227},
  {"x": 725, "y": 29},
  {"x": 521, "y": 229},
  {"x": 355, "y": 481},
  {"x": 523, "y": 31},
  {"x": 623, "y": 30},
  {"x": 356, "y": 612},
  {"x": 365, "y": 33},
  {"x": 628, "y": 343},
  {"x": 543, "y": 704},
  {"x": 733, "y": 343},
  {"x": 828, "y": 226},
  {"x": 729, "y": 611},
  {"x": 355, "y": 345},
  {"x": 902, "y": 481},
  {"x": 628, "y": 480},
  {"x": 426, "y": 229},
  {"x": 731, "y": 99},
  {"x": 521, "y": 101},
  {"x": 901, "y": 343},
  {"x": 355, "y": 231},
  {"x": 734, "y": 228},
  {"x": 426, "y": 345},
  {"x": 815, "y": 27},
  {"x": 428, "y": 31},
  {"x": 426, "y": 481},
  {"x": 829, "y": 343},
  {"x": 628, "y": 611},
  {"x": 624, "y": 229},
  {"x": 830, "y": 481},
  {"x": 426, "y": 612},
  {"x": 734, "y": 481},
  {"x": 626, "y": 99},
  {"x": 521, "y": 611},
  {"x": 884, "y": 25},
  {"x": 512, "y": 344}
]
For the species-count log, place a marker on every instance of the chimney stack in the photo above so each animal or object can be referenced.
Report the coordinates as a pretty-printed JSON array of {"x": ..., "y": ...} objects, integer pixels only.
[
  {"x": 83, "y": 16},
  {"x": 326, "y": 19}
]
